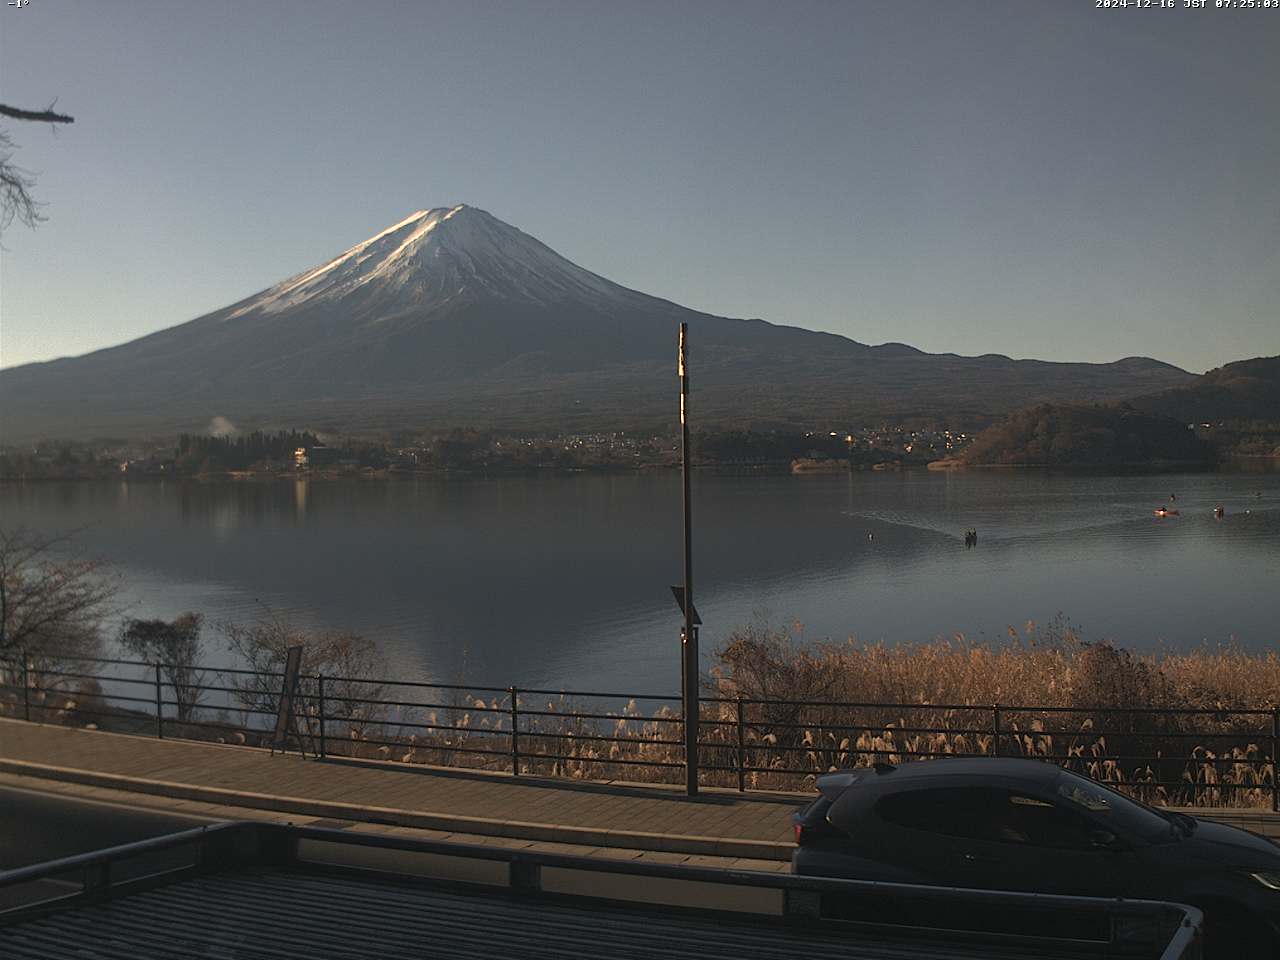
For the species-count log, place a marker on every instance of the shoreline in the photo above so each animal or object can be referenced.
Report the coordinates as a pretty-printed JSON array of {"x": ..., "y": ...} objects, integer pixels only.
[{"x": 374, "y": 474}]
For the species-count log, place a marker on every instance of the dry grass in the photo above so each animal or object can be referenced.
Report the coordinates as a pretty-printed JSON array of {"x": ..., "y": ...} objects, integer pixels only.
[{"x": 1096, "y": 708}]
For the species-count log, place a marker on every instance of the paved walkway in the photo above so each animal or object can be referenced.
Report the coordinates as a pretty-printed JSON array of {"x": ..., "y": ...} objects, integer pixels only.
[
  {"x": 478, "y": 806},
  {"x": 640, "y": 817}
]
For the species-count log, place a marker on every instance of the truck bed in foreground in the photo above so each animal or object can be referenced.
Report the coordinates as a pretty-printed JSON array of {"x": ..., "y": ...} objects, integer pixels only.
[{"x": 271, "y": 891}]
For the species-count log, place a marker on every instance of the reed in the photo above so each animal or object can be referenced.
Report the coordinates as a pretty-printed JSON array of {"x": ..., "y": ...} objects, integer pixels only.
[{"x": 946, "y": 694}]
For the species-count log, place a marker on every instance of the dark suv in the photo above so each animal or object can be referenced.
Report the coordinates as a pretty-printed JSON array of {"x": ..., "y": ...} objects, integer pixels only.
[{"x": 1031, "y": 826}]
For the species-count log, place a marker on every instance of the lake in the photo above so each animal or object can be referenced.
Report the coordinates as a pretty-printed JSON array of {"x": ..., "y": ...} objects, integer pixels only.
[{"x": 563, "y": 581}]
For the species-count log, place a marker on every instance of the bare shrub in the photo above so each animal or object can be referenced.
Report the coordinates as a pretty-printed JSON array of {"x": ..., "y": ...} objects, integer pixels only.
[
  {"x": 350, "y": 664},
  {"x": 177, "y": 647},
  {"x": 51, "y": 606}
]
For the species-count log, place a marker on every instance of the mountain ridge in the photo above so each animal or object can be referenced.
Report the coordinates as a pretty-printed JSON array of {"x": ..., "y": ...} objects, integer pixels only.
[
  {"x": 1244, "y": 389},
  {"x": 451, "y": 314}
]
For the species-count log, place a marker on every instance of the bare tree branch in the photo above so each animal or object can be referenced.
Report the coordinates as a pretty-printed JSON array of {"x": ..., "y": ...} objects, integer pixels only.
[
  {"x": 45, "y": 116},
  {"x": 15, "y": 190},
  {"x": 51, "y": 606},
  {"x": 15, "y": 183}
]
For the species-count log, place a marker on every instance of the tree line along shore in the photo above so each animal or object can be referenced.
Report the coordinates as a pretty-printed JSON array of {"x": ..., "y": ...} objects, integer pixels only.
[{"x": 1102, "y": 435}]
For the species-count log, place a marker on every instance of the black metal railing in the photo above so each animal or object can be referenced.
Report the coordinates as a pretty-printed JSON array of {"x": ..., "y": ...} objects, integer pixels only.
[{"x": 1165, "y": 755}]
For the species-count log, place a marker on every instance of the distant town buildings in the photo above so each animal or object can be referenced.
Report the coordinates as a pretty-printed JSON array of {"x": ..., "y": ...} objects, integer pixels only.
[
  {"x": 319, "y": 455},
  {"x": 476, "y": 451}
]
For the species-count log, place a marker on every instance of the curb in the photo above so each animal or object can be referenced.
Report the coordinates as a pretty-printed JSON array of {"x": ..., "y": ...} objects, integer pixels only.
[{"x": 456, "y": 823}]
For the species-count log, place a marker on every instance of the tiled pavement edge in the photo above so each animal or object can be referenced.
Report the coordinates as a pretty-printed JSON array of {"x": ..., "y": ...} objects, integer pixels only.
[
  {"x": 717, "y": 823},
  {"x": 195, "y": 809}
]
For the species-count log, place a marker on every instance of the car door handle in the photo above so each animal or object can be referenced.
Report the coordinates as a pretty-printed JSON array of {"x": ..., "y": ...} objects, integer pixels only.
[{"x": 979, "y": 858}]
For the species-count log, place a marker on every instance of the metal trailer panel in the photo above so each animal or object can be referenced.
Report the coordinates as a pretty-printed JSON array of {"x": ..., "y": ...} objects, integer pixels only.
[{"x": 276, "y": 915}]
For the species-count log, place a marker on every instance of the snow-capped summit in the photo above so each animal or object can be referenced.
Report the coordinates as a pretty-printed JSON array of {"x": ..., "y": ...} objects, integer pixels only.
[
  {"x": 452, "y": 316},
  {"x": 433, "y": 257}
]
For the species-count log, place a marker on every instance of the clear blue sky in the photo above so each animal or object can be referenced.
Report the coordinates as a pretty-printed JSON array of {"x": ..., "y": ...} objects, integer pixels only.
[{"x": 1037, "y": 177}]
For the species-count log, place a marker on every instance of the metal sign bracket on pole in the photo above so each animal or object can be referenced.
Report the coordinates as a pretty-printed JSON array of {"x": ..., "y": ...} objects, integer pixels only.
[{"x": 286, "y": 707}]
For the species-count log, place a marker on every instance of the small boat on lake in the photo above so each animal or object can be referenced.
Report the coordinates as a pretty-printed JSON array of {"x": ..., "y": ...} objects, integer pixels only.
[
  {"x": 818, "y": 465},
  {"x": 1165, "y": 512}
]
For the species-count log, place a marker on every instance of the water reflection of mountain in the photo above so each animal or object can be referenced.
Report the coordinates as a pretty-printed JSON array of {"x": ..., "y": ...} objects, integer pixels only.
[{"x": 561, "y": 581}]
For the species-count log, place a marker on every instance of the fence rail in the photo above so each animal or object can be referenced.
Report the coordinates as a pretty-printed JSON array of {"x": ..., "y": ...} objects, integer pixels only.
[{"x": 1168, "y": 755}]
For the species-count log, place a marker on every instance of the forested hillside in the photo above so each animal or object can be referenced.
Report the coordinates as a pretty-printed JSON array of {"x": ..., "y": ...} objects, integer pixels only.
[{"x": 1101, "y": 434}]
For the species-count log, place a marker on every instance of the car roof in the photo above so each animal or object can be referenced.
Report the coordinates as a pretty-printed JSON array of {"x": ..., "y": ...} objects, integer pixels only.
[{"x": 951, "y": 771}]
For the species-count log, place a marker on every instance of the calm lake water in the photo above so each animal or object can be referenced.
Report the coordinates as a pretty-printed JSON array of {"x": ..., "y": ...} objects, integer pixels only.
[{"x": 563, "y": 581}]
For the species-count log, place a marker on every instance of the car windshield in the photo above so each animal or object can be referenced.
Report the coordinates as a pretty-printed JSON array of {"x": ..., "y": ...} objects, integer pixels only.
[{"x": 1107, "y": 806}]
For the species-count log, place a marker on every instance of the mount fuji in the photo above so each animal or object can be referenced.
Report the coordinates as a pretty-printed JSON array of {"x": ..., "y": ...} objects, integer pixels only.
[{"x": 453, "y": 317}]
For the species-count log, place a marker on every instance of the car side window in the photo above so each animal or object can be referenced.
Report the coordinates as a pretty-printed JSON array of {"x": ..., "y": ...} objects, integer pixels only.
[
  {"x": 957, "y": 812},
  {"x": 983, "y": 813},
  {"x": 1046, "y": 824}
]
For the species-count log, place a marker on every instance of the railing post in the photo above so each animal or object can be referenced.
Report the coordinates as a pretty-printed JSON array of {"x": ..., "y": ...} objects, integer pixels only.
[
  {"x": 742, "y": 750},
  {"x": 320, "y": 711},
  {"x": 515, "y": 731},
  {"x": 524, "y": 875},
  {"x": 159, "y": 706},
  {"x": 26, "y": 687},
  {"x": 1275, "y": 764},
  {"x": 995, "y": 729},
  {"x": 95, "y": 880}
]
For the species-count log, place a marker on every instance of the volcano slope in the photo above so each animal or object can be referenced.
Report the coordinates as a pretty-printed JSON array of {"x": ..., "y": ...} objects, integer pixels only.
[{"x": 453, "y": 317}]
